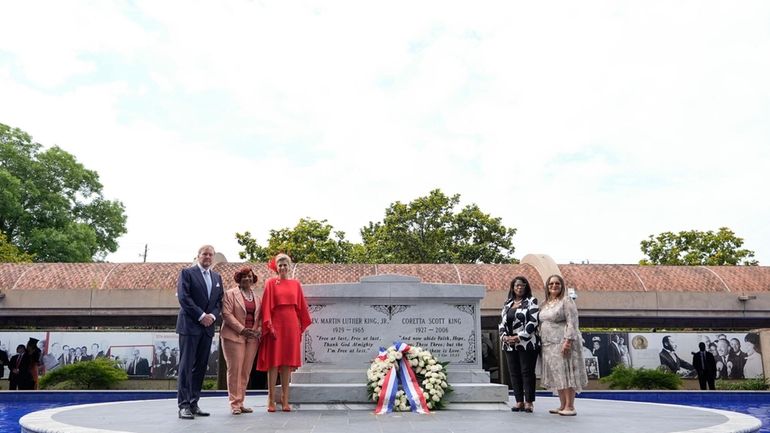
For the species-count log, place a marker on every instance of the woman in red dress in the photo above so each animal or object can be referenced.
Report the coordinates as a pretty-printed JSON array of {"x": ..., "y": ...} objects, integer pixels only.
[{"x": 284, "y": 318}]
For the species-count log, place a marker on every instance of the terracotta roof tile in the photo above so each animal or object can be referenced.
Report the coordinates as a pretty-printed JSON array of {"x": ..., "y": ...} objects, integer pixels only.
[
  {"x": 679, "y": 279},
  {"x": 429, "y": 273},
  {"x": 498, "y": 277},
  {"x": 602, "y": 278},
  {"x": 144, "y": 276},
  {"x": 494, "y": 277},
  {"x": 332, "y": 273},
  {"x": 737, "y": 280},
  {"x": 64, "y": 276},
  {"x": 11, "y": 272}
]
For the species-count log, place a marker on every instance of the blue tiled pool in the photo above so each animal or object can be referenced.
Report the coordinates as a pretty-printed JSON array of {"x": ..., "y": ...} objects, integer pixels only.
[
  {"x": 14, "y": 405},
  {"x": 754, "y": 403}
]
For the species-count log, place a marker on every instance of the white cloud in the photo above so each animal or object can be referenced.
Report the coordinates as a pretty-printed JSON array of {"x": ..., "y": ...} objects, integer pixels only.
[{"x": 586, "y": 127}]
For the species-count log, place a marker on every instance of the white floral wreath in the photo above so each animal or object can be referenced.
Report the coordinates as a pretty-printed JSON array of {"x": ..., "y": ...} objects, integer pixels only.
[{"x": 429, "y": 372}]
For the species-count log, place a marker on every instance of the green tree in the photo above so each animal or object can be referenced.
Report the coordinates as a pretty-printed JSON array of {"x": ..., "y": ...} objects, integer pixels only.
[
  {"x": 9, "y": 253},
  {"x": 252, "y": 251},
  {"x": 695, "y": 247},
  {"x": 310, "y": 241},
  {"x": 51, "y": 206},
  {"x": 428, "y": 230}
]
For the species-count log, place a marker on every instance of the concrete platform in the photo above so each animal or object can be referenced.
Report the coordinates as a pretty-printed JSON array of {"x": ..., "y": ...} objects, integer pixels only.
[{"x": 160, "y": 416}]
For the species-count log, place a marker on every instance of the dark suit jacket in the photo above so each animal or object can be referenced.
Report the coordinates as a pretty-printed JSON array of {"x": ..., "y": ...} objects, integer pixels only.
[
  {"x": 722, "y": 367},
  {"x": 738, "y": 362},
  {"x": 709, "y": 370},
  {"x": 23, "y": 378},
  {"x": 615, "y": 355},
  {"x": 142, "y": 367},
  {"x": 671, "y": 363},
  {"x": 14, "y": 377},
  {"x": 3, "y": 362},
  {"x": 193, "y": 299}
]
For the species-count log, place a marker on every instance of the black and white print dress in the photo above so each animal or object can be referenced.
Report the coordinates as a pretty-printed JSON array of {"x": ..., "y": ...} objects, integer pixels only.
[{"x": 521, "y": 321}]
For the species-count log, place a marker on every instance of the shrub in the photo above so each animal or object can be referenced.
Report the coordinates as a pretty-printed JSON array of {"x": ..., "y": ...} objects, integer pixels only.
[
  {"x": 97, "y": 374},
  {"x": 620, "y": 378},
  {"x": 759, "y": 384},
  {"x": 623, "y": 377}
]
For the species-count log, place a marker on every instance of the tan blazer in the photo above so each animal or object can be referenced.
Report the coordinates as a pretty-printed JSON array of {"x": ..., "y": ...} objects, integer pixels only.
[{"x": 234, "y": 315}]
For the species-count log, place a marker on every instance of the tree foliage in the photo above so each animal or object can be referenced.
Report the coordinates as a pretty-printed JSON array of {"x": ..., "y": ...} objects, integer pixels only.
[
  {"x": 310, "y": 241},
  {"x": 51, "y": 206},
  {"x": 252, "y": 251},
  {"x": 9, "y": 253},
  {"x": 428, "y": 230},
  {"x": 695, "y": 247}
]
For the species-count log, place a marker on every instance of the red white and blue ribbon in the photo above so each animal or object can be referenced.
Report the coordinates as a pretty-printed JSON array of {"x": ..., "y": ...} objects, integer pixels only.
[
  {"x": 401, "y": 373},
  {"x": 387, "y": 397}
]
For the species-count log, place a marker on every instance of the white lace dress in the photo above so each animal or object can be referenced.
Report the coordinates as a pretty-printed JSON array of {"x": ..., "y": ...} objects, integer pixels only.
[{"x": 558, "y": 321}]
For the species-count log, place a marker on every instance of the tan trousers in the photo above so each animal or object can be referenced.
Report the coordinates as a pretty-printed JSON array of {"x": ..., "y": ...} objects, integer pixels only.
[{"x": 240, "y": 359}]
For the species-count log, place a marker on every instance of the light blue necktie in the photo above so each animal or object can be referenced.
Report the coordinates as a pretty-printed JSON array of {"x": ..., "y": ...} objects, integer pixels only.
[{"x": 207, "y": 277}]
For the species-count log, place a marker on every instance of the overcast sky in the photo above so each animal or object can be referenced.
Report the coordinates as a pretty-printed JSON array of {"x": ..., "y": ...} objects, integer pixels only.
[{"x": 587, "y": 126}]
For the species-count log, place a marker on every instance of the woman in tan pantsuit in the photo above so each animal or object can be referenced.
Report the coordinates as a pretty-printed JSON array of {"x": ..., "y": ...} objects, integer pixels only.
[{"x": 240, "y": 336}]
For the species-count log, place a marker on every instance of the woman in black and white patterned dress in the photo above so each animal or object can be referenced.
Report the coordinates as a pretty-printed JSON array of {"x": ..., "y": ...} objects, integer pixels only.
[{"x": 521, "y": 344}]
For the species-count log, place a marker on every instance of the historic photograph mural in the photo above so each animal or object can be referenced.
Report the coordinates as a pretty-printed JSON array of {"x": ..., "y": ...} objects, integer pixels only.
[
  {"x": 603, "y": 351},
  {"x": 156, "y": 354},
  {"x": 140, "y": 354},
  {"x": 737, "y": 354}
]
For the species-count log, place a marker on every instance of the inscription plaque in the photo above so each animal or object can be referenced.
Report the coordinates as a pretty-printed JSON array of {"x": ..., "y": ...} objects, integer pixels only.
[{"x": 350, "y": 334}]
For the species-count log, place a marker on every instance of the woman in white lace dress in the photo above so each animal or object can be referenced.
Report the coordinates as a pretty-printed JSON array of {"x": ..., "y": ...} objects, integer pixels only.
[{"x": 564, "y": 370}]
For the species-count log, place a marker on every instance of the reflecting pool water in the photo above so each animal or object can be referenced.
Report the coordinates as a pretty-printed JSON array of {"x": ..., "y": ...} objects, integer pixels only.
[
  {"x": 754, "y": 403},
  {"x": 14, "y": 405}
]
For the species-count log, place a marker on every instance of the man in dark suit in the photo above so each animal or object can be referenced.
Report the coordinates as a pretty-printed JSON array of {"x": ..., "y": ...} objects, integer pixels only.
[
  {"x": 671, "y": 361},
  {"x": 84, "y": 356},
  {"x": 20, "y": 377},
  {"x": 95, "y": 352},
  {"x": 199, "y": 292},
  {"x": 724, "y": 366},
  {"x": 69, "y": 356},
  {"x": 138, "y": 366},
  {"x": 737, "y": 358},
  {"x": 706, "y": 366},
  {"x": 3, "y": 361},
  {"x": 65, "y": 354},
  {"x": 615, "y": 355}
]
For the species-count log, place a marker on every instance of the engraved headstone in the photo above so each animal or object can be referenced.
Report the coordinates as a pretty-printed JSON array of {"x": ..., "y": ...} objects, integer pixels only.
[{"x": 352, "y": 321}]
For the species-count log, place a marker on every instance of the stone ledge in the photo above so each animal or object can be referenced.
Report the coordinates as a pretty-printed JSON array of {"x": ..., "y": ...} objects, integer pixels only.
[{"x": 340, "y": 393}]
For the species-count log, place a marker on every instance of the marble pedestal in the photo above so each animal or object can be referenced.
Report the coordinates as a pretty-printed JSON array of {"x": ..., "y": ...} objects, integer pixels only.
[{"x": 352, "y": 321}]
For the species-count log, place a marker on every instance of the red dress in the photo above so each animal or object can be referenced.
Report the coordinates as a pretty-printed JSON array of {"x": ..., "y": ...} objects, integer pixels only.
[{"x": 284, "y": 318}]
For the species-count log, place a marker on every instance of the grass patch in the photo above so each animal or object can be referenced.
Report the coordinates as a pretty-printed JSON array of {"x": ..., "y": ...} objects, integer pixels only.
[{"x": 759, "y": 384}]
